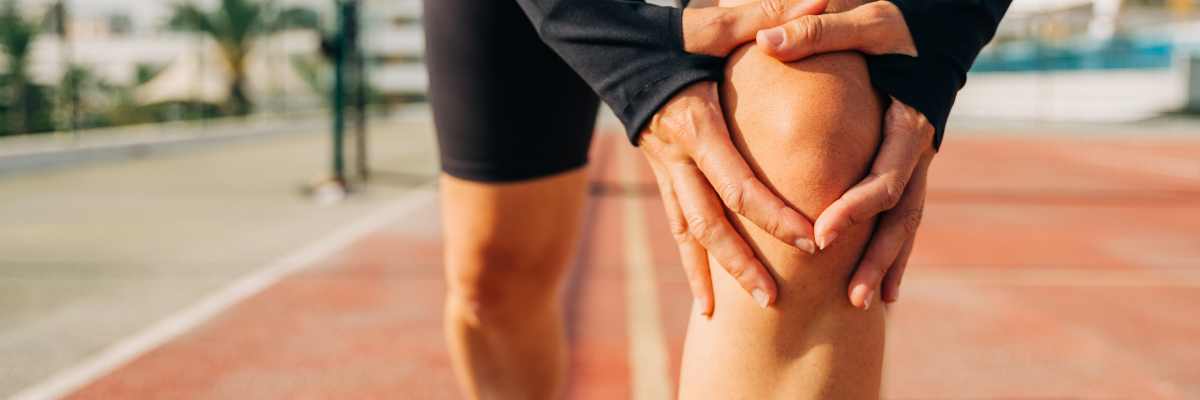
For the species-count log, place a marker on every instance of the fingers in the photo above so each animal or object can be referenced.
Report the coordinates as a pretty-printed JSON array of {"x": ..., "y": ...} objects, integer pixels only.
[
  {"x": 890, "y": 289},
  {"x": 873, "y": 28},
  {"x": 748, "y": 19},
  {"x": 690, "y": 130},
  {"x": 716, "y": 31},
  {"x": 689, "y": 139},
  {"x": 695, "y": 264},
  {"x": 741, "y": 191},
  {"x": 907, "y": 136},
  {"x": 745, "y": 195},
  {"x": 707, "y": 223},
  {"x": 810, "y": 35},
  {"x": 891, "y": 241},
  {"x": 691, "y": 253}
]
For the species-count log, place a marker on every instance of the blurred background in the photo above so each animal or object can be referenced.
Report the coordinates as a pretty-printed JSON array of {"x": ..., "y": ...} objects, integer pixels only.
[
  {"x": 155, "y": 154},
  {"x": 85, "y": 65}
]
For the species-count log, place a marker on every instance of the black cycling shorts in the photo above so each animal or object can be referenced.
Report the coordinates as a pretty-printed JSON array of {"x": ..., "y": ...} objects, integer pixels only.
[{"x": 506, "y": 106}]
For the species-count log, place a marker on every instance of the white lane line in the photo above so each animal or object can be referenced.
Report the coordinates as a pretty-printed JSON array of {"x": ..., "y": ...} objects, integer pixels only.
[
  {"x": 648, "y": 357},
  {"x": 172, "y": 326},
  {"x": 1052, "y": 277}
]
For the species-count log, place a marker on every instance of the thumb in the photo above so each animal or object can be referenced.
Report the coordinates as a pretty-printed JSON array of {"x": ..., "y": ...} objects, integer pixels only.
[
  {"x": 874, "y": 28},
  {"x": 716, "y": 31},
  {"x": 810, "y": 34}
]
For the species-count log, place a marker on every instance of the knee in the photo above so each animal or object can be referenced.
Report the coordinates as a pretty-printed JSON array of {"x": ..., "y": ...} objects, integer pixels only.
[
  {"x": 499, "y": 289},
  {"x": 812, "y": 133},
  {"x": 508, "y": 245},
  {"x": 498, "y": 303}
]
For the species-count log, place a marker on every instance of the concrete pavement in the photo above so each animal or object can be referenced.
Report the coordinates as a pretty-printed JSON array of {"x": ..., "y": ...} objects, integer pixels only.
[
  {"x": 1044, "y": 269},
  {"x": 90, "y": 255}
]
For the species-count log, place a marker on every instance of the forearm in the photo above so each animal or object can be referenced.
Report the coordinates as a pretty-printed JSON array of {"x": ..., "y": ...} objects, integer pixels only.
[
  {"x": 948, "y": 35},
  {"x": 810, "y": 130}
]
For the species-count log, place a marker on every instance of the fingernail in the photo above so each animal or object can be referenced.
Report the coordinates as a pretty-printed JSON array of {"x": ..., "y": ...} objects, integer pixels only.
[
  {"x": 761, "y": 296},
  {"x": 867, "y": 302},
  {"x": 827, "y": 239},
  {"x": 896, "y": 294},
  {"x": 774, "y": 36},
  {"x": 806, "y": 245},
  {"x": 697, "y": 306}
]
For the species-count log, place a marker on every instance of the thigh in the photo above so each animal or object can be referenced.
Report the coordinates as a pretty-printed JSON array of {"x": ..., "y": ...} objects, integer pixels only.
[
  {"x": 809, "y": 130},
  {"x": 506, "y": 106}
]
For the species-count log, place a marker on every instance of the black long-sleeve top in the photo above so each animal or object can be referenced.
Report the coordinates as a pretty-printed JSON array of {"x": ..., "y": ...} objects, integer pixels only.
[{"x": 632, "y": 54}]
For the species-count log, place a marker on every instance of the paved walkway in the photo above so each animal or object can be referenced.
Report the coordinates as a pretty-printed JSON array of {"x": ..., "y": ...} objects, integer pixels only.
[
  {"x": 1015, "y": 292},
  {"x": 1021, "y": 297},
  {"x": 91, "y": 255}
]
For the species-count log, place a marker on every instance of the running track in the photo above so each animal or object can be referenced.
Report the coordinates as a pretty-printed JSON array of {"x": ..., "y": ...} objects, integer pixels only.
[{"x": 1015, "y": 291}]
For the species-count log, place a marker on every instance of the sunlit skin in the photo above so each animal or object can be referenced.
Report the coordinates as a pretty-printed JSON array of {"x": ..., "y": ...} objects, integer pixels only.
[
  {"x": 505, "y": 261},
  {"x": 810, "y": 130}
]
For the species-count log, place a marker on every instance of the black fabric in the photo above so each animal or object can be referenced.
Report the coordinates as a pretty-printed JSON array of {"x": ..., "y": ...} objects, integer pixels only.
[
  {"x": 505, "y": 105},
  {"x": 949, "y": 35},
  {"x": 630, "y": 52},
  {"x": 509, "y": 107}
]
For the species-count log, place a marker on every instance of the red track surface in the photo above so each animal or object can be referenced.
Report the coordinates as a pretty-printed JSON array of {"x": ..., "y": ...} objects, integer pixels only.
[{"x": 366, "y": 323}]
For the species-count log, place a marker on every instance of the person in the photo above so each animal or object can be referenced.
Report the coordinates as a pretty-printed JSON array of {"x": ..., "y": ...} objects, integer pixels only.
[{"x": 512, "y": 90}]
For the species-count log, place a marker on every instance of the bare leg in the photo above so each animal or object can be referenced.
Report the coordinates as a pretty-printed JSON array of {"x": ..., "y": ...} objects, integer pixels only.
[
  {"x": 810, "y": 129},
  {"x": 507, "y": 248}
]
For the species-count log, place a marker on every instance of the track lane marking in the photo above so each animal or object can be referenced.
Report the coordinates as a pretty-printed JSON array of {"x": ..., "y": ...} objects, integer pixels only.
[
  {"x": 181, "y": 322},
  {"x": 648, "y": 357}
]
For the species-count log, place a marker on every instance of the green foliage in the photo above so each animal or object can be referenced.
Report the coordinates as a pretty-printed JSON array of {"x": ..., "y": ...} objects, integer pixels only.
[
  {"x": 81, "y": 95},
  {"x": 146, "y": 72},
  {"x": 16, "y": 38},
  {"x": 298, "y": 18},
  {"x": 35, "y": 113},
  {"x": 16, "y": 34},
  {"x": 234, "y": 25}
]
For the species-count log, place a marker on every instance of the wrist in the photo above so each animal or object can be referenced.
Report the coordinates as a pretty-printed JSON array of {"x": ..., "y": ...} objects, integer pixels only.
[
  {"x": 887, "y": 21},
  {"x": 702, "y": 31},
  {"x": 692, "y": 109}
]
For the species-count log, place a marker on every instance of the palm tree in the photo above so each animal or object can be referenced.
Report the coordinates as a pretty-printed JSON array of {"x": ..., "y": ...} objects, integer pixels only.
[
  {"x": 16, "y": 37},
  {"x": 78, "y": 82},
  {"x": 234, "y": 26}
]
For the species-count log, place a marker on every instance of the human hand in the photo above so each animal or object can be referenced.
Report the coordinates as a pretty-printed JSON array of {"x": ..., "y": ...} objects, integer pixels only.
[
  {"x": 716, "y": 31},
  {"x": 895, "y": 190},
  {"x": 873, "y": 28},
  {"x": 688, "y": 146},
  {"x": 698, "y": 168}
]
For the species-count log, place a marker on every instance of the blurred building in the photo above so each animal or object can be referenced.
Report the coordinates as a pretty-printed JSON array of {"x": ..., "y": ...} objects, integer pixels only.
[
  {"x": 203, "y": 74},
  {"x": 394, "y": 44},
  {"x": 1087, "y": 61},
  {"x": 120, "y": 48}
]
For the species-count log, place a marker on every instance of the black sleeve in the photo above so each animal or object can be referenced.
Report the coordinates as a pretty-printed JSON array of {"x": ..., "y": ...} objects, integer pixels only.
[
  {"x": 630, "y": 52},
  {"x": 949, "y": 35}
]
